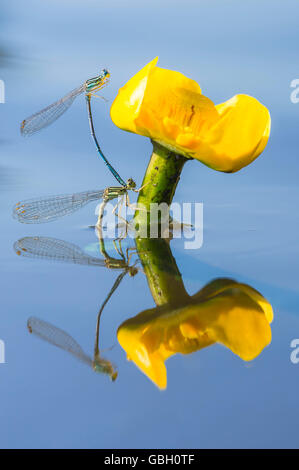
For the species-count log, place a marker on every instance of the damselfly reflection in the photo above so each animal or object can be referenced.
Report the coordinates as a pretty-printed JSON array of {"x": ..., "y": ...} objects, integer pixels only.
[
  {"x": 54, "y": 249},
  {"x": 59, "y": 250},
  {"x": 63, "y": 340}
]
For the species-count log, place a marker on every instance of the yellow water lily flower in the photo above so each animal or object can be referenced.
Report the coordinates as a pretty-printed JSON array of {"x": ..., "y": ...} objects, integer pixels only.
[
  {"x": 224, "y": 311},
  {"x": 170, "y": 109}
]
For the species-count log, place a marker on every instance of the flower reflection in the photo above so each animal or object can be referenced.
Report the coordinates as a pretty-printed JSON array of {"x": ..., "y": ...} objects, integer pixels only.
[{"x": 224, "y": 312}]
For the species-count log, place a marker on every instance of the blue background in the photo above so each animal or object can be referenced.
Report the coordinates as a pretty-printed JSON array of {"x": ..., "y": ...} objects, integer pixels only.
[{"x": 213, "y": 399}]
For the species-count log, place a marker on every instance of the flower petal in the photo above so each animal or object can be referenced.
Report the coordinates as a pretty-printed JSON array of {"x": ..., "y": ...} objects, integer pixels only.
[
  {"x": 150, "y": 362},
  {"x": 127, "y": 104},
  {"x": 174, "y": 116},
  {"x": 170, "y": 109},
  {"x": 224, "y": 311},
  {"x": 238, "y": 137}
]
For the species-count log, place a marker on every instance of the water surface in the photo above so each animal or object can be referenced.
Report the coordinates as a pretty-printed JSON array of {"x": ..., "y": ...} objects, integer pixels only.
[{"x": 213, "y": 397}]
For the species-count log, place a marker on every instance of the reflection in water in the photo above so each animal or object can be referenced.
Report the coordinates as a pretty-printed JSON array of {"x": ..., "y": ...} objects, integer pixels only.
[
  {"x": 60, "y": 250},
  {"x": 63, "y": 340},
  {"x": 54, "y": 249},
  {"x": 56, "y": 336},
  {"x": 224, "y": 311}
]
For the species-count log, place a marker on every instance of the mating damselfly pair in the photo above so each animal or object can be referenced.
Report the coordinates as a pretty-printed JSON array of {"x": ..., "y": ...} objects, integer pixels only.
[
  {"x": 50, "y": 208},
  {"x": 41, "y": 210}
]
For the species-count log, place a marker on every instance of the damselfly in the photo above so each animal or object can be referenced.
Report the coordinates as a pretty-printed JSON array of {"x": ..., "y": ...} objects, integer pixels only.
[
  {"x": 51, "y": 113},
  {"x": 47, "y": 209}
]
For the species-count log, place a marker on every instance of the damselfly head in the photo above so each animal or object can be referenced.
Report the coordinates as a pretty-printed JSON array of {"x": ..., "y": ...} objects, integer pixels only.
[
  {"x": 131, "y": 184},
  {"x": 105, "y": 73}
]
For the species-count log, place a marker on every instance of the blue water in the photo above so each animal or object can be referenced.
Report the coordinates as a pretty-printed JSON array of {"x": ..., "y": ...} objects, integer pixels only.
[{"x": 213, "y": 398}]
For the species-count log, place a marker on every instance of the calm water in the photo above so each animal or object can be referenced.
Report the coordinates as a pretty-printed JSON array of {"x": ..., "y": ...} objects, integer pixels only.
[{"x": 213, "y": 397}]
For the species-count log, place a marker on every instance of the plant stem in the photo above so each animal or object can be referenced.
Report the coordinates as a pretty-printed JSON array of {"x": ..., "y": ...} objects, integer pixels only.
[
  {"x": 160, "y": 182},
  {"x": 161, "y": 177},
  {"x": 163, "y": 276}
]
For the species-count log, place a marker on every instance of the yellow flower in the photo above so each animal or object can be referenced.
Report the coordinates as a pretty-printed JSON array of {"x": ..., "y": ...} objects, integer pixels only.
[
  {"x": 224, "y": 311},
  {"x": 170, "y": 109}
]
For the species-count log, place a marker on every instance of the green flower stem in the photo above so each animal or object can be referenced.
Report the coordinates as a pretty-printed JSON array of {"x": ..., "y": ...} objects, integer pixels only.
[
  {"x": 163, "y": 276},
  {"x": 161, "y": 177},
  {"x": 160, "y": 182}
]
